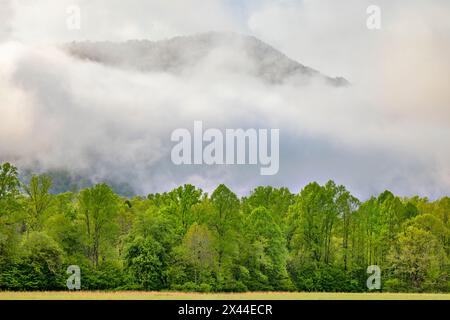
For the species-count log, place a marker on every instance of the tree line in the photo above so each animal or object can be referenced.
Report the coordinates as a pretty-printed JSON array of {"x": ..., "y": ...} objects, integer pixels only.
[{"x": 321, "y": 239}]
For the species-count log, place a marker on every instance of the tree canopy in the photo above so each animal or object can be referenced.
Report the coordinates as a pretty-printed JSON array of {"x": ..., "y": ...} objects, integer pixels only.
[{"x": 321, "y": 239}]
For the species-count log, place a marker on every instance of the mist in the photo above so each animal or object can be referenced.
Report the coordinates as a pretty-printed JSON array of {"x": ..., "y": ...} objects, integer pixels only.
[{"x": 388, "y": 130}]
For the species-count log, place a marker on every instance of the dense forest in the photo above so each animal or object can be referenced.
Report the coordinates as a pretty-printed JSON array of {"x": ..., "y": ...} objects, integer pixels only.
[{"x": 321, "y": 239}]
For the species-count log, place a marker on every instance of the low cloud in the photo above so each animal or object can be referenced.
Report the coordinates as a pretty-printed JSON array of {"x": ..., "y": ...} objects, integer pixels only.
[{"x": 388, "y": 129}]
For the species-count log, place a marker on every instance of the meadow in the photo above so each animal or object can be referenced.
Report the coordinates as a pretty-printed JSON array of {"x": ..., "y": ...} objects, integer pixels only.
[{"x": 142, "y": 295}]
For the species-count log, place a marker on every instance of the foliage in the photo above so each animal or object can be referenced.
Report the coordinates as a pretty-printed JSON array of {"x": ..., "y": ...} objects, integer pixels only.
[{"x": 321, "y": 239}]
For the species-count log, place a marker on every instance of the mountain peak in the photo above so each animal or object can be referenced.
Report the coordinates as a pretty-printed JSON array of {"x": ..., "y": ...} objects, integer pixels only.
[{"x": 176, "y": 54}]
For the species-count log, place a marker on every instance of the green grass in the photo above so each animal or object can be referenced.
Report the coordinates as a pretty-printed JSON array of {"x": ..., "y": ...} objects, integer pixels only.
[{"x": 138, "y": 295}]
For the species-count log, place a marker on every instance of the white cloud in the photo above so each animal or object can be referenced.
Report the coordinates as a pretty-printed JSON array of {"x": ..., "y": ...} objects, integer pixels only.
[
  {"x": 388, "y": 130},
  {"x": 117, "y": 20}
]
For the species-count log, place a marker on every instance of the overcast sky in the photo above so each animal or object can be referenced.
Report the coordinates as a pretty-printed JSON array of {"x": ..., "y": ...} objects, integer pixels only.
[{"x": 389, "y": 130}]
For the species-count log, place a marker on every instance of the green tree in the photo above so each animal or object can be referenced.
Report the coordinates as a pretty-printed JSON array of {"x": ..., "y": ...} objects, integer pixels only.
[
  {"x": 9, "y": 182},
  {"x": 224, "y": 220},
  {"x": 9, "y": 206},
  {"x": 266, "y": 253},
  {"x": 313, "y": 216},
  {"x": 143, "y": 261},
  {"x": 39, "y": 200},
  {"x": 39, "y": 266},
  {"x": 277, "y": 201},
  {"x": 98, "y": 207},
  {"x": 181, "y": 201},
  {"x": 198, "y": 251},
  {"x": 418, "y": 261}
]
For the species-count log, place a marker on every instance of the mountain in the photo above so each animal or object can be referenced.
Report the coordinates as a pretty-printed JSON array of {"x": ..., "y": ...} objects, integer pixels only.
[{"x": 180, "y": 53}]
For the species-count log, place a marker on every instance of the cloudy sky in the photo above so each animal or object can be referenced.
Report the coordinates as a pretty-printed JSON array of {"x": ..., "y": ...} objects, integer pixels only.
[{"x": 389, "y": 130}]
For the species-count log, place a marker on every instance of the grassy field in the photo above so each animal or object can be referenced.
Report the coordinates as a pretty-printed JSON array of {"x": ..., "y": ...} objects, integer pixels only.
[{"x": 136, "y": 295}]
